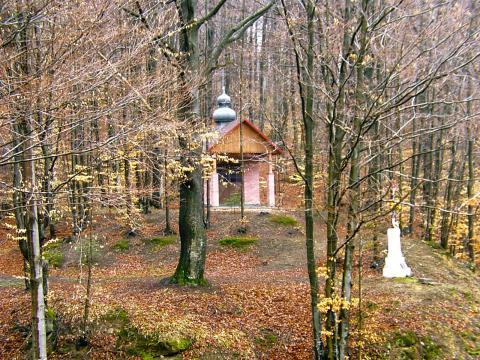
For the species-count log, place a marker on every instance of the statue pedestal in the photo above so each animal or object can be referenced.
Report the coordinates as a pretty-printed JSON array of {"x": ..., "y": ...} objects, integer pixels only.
[{"x": 395, "y": 265}]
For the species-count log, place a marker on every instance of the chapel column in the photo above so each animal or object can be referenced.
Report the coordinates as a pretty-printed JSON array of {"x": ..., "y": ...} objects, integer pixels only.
[
  {"x": 270, "y": 183},
  {"x": 214, "y": 190}
]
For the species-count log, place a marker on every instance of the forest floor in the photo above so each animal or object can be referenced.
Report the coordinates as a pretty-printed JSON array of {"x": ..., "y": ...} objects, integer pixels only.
[{"x": 256, "y": 305}]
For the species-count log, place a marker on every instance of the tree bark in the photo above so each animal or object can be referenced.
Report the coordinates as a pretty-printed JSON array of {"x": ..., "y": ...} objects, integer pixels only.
[
  {"x": 39, "y": 334},
  {"x": 354, "y": 203},
  {"x": 415, "y": 170},
  {"x": 471, "y": 208},
  {"x": 438, "y": 160},
  {"x": 190, "y": 268},
  {"x": 305, "y": 83},
  {"x": 445, "y": 223}
]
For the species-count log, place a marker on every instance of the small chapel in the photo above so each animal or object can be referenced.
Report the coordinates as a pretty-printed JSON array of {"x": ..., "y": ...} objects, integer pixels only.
[{"x": 224, "y": 185}]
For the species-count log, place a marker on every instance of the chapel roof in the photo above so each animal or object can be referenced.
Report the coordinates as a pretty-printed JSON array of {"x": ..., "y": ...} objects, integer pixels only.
[{"x": 254, "y": 140}]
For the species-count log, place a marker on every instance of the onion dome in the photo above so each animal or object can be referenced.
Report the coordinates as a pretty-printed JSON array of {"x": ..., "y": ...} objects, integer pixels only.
[{"x": 224, "y": 113}]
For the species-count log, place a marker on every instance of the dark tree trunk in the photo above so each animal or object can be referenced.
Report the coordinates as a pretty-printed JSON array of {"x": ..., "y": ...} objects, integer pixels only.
[
  {"x": 19, "y": 201},
  {"x": 305, "y": 84},
  {"x": 458, "y": 188},
  {"x": 437, "y": 172},
  {"x": 157, "y": 182},
  {"x": 354, "y": 198},
  {"x": 471, "y": 208},
  {"x": 415, "y": 170},
  {"x": 190, "y": 268},
  {"x": 168, "y": 229},
  {"x": 445, "y": 222},
  {"x": 261, "y": 75}
]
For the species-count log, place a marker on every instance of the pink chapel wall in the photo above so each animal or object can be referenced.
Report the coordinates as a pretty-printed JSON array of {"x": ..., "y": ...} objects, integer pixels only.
[
  {"x": 252, "y": 186},
  {"x": 265, "y": 183},
  {"x": 258, "y": 183}
]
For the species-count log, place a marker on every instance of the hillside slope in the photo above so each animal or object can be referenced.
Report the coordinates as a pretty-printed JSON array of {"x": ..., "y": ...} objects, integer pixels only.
[
  {"x": 434, "y": 314},
  {"x": 256, "y": 303}
]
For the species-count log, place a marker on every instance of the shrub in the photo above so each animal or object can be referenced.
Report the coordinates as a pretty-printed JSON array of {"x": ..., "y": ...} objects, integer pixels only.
[
  {"x": 53, "y": 254},
  {"x": 81, "y": 248},
  {"x": 54, "y": 257}
]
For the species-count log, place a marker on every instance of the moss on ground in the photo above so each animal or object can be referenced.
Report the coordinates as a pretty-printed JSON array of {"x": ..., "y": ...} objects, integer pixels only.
[
  {"x": 474, "y": 351},
  {"x": 133, "y": 342},
  {"x": 406, "y": 339},
  {"x": 430, "y": 349},
  {"x": 471, "y": 343},
  {"x": 122, "y": 245},
  {"x": 233, "y": 200},
  {"x": 238, "y": 241},
  {"x": 406, "y": 280},
  {"x": 409, "y": 346},
  {"x": 161, "y": 241},
  {"x": 117, "y": 315},
  {"x": 284, "y": 220},
  {"x": 266, "y": 338}
]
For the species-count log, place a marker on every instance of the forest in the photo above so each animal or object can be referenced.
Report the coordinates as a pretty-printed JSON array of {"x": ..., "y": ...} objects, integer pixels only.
[{"x": 239, "y": 179}]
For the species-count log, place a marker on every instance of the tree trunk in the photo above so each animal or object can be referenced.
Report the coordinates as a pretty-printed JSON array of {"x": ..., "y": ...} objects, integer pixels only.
[
  {"x": 336, "y": 136},
  {"x": 374, "y": 180},
  {"x": 240, "y": 115},
  {"x": 427, "y": 185},
  {"x": 471, "y": 208},
  {"x": 261, "y": 75},
  {"x": 307, "y": 95},
  {"x": 19, "y": 203},
  {"x": 458, "y": 188},
  {"x": 157, "y": 180},
  {"x": 168, "y": 229},
  {"x": 128, "y": 195},
  {"x": 305, "y": 84},
  {"x": 438, "y": 160},
  {"x": 190, "y": 268},
  {"x": 39, "y": 335},
  {"x": 354, "y": 203},
  {"x": 415, "y": 169},
  {"x": 445, "y": 228}
]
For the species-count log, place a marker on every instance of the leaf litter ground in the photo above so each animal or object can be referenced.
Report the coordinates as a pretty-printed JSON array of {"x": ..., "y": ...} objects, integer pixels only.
[{"x": 256, "y": 305}]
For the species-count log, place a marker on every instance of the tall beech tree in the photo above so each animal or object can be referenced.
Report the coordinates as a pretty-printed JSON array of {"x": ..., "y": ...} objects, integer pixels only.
[
  {"x": 304, "y": 63},
  {"x": 192, "y": 71}
]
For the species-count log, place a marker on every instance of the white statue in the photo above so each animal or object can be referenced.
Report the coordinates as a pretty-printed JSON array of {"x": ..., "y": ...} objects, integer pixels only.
[{"x": 395, "y": 265}]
